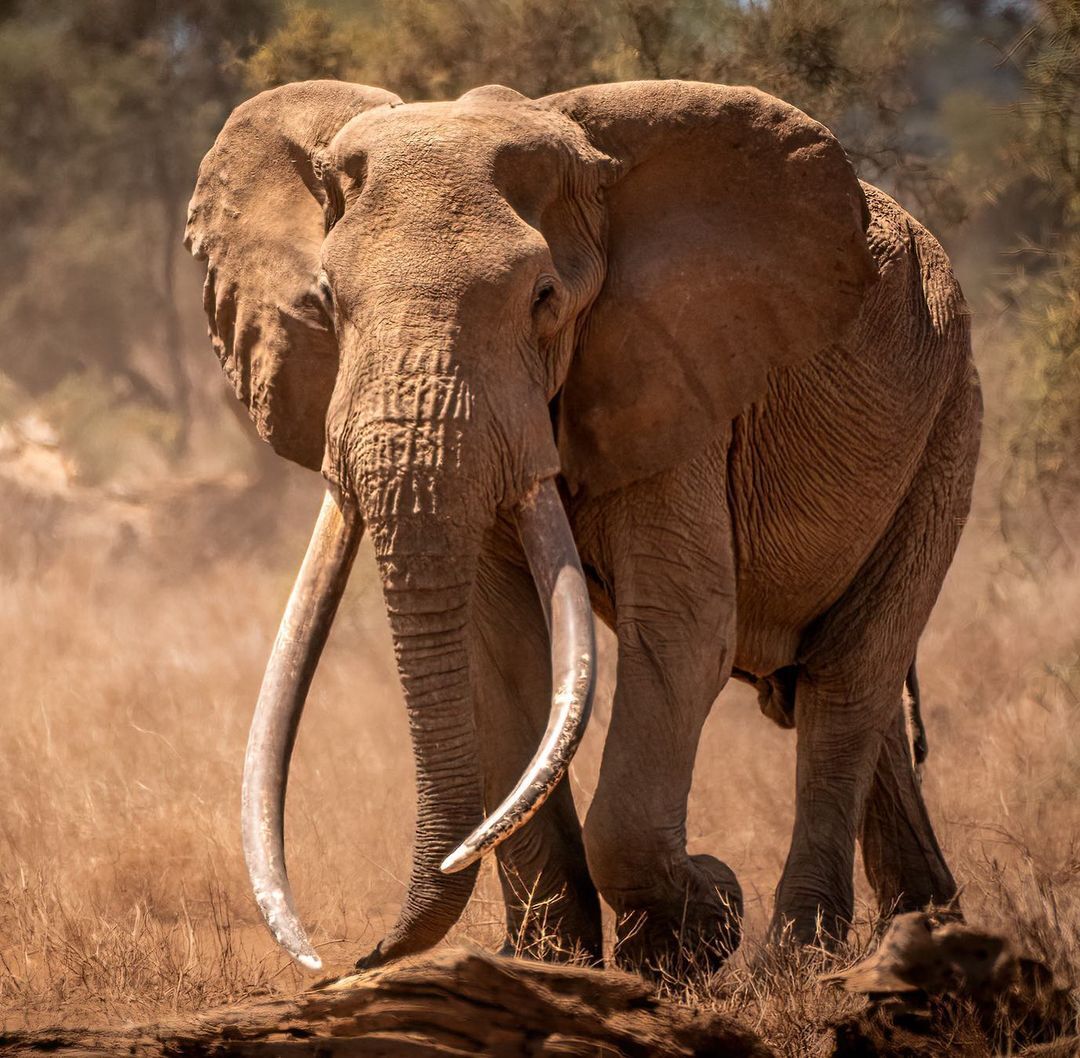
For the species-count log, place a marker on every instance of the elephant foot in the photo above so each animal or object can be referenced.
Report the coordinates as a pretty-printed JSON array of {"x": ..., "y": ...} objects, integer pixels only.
[
  {"x": 554, "y": 930},
  {"x": 806, "y": 918},
  {"x": 694, "y": 933},
  {"x": 555, "y": 933},
  {"x": 549, "y": 921}
]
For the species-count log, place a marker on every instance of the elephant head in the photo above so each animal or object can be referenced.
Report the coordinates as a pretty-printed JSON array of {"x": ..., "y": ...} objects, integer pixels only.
[{"x": 442, "y": 307}]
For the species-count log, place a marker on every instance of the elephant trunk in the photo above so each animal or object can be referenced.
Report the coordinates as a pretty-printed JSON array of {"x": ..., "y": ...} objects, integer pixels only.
[
  {"x": 427, "y": 597},
  {"x": 427, "y": 600},
  {"x": 427, "y": 516}
]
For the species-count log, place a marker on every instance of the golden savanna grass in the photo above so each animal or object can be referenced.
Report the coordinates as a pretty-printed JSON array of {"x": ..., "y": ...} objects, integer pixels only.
[{"x": 131, "y": 661}]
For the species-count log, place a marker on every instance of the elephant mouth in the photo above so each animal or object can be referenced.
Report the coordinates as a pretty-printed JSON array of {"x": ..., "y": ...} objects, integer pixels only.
[{"x": 549, "y": 547}]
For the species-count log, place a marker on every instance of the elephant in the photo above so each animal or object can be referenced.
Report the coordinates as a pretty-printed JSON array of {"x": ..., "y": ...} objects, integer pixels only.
[{"x": 645, "y": 351}]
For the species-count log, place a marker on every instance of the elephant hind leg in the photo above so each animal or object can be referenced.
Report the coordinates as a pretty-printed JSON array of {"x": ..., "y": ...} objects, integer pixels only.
[
  {"x": 855, "y": 780},
  {"x": 853, "y": 757},
  {"x": 839, "y": 726},
  {"x": 903, "y": 860}
]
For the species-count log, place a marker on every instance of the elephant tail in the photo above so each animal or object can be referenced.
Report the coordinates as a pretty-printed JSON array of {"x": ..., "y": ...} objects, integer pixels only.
[{"x": 920, "y": 748}]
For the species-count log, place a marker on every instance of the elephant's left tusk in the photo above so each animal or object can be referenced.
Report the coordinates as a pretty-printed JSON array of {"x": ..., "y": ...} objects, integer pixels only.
[
  {"x": 556, "y": 569},
  {"x": 300, "y": 640}
]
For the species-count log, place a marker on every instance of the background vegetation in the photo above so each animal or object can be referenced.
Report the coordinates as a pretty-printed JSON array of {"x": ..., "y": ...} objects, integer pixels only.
[
  {"x": 965, "y": 109},
  {"x": 147, "y": 541}
]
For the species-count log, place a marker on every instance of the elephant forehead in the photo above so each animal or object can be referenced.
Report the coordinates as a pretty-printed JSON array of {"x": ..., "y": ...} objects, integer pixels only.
[{"x": 466, "y": 135}]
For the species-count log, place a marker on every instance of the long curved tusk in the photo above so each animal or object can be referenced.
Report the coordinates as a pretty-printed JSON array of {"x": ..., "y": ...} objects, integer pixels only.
[
  {"x": 300, "y": 640},
  {"x": 556, "y": 569}
]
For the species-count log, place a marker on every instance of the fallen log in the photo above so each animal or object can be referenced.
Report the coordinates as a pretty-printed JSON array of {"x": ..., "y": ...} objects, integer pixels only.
[
  {"x": 449, "y": 1004},
  {"x": 952, "y": 990}
]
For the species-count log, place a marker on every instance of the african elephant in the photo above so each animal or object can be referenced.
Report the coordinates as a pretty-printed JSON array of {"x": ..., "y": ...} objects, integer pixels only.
[{"x": 648, "y": 350}]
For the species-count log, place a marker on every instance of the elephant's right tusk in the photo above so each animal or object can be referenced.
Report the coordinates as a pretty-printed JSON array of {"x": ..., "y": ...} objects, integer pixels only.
[
  {"x": 300, "y": 640},
  {"x": 556, "y": 569}
]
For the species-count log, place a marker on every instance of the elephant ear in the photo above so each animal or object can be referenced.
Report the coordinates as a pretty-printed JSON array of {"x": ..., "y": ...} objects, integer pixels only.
[
  {"x": 256, "y": 218},
  {"x": 736, "y": 243}
]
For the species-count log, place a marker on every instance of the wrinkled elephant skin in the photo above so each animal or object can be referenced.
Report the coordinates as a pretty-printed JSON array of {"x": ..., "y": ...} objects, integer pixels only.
[{"x": 645, "y": 348}]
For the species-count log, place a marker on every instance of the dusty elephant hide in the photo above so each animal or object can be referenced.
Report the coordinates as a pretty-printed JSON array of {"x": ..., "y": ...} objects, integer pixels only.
[{"x": 455, "y": 1003}]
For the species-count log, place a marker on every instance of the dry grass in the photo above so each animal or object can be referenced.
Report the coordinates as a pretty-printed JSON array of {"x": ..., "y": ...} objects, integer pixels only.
[{"x": 129, "y": 671}]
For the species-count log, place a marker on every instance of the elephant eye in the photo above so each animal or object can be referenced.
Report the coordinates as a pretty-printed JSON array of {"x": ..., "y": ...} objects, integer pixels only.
[{"x": 545, "y": 291}]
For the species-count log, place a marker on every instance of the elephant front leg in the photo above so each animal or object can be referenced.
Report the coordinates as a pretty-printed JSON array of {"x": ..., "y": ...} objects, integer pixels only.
[
  {"x": 673, "y": 911},
  {"x": 552, "y": 909},
  {"x": 665, "y": 547}
]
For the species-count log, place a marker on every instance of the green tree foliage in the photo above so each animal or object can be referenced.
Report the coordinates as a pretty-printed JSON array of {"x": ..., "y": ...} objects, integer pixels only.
[
  {"x": 1037, "y": 178},
  {"x": 1051, "y": 114},
  {"x": 845, "y": 62}
]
